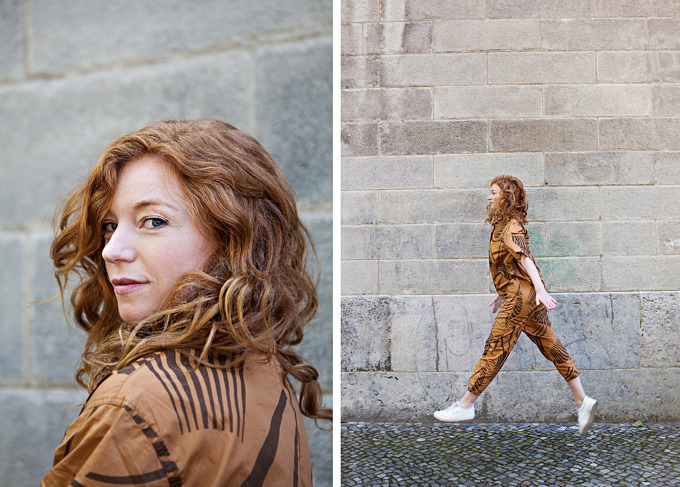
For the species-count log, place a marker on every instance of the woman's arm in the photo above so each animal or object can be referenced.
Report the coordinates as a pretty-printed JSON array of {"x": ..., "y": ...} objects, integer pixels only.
[{"x": 542, "y": 295}]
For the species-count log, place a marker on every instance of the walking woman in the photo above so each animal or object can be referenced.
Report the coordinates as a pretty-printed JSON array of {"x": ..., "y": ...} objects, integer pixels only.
[
  {"x": 522, "y": 303},
  {"x": 188, "y": 257}
]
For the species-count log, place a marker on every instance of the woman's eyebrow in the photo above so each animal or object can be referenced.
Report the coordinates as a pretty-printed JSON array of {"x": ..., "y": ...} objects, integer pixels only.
[{"x": 145, "y": 203}]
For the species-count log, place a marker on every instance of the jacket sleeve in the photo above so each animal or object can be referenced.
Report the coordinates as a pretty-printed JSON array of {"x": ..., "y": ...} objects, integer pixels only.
[
  {"x": 106, "y": 446},
  {"x": 516, "y": 240}
]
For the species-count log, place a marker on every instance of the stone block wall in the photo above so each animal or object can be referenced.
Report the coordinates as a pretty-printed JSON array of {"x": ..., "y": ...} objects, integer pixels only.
[
  {"x": 74, "y": 76},
  {"x": 581, "y": 101}
]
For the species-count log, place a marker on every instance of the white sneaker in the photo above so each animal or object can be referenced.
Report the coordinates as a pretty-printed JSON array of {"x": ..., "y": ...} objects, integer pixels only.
[
  {"x": 586, "y": 414},
  {"x": 455, "y": 412}
]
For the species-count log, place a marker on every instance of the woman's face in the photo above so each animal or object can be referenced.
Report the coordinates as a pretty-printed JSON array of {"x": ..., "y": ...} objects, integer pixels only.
[
  {"x": 150, "y": 238},
  {"x": 494, "y": 196}
]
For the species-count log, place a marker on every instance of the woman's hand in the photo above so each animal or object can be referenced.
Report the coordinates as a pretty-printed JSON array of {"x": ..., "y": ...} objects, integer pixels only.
[
  {"x": 496, "y": 303},
  {"x": 542, "y": 296}
]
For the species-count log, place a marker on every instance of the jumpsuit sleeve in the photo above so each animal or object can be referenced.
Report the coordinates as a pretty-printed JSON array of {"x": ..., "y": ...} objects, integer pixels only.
[
  {"x": 105, "y": 447},
  {"x": 516, "y": 240}
]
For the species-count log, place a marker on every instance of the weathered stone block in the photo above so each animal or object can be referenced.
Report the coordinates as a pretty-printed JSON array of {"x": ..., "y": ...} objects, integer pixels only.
[
  {"x": 351, "y": 39},
  {"x": 359, "y": 11},
  {"x": 14, "y": 305},
  {"x": 11, "y": 40},
  {"x": 359, "y": 207},
  {"x": 624, "y": 67},
  {"x": 434, "y": 276},
  {"x": 444, "y": 9},
  {"x": 641, "y": 273},
  {"x": 477, "y": 170},
  {"x": 563, "y": 204},
  {"x": 660, "y": 315},
  {"x": 387, "y": 104},
  {"x": 488, "y": 102},
  {"x": 359, "y": 277},
  {"x": 536, "y": 233},
  {"x": 598, "y": 100},
  {"x": 640, "y": 8},
  {"x": 486, "y": 35},
  {"x": 386, "y": 172},
  {"x": 359, "y": 71},
  {"x": 433, "y": 69},
  {"x": 294, "y": 111},
  {"x": 378, "y": 396},
  {"x": 598, "y": 168},
  {"x": 435, "y": 206},
  {"x": 664, "y": 33},
  {"x": 630, "y": 202},
  {"x": 639, "y": 133},
  {"x": 665, "y": 100},
  {"x": 365, "y": 333},
  {"x": 359, "y": 139},
  {"x": 667, "y": 167},
  {"x": 669, "y": 237},
  {"x": 615, "y": 241},
  {"x": 572, "y": 239},
  {"x": 33, "y": 424},
  {"x": 541, "y": 67},
  {"x": 594, "y": 34},
  {"x": 543, "y": 135},
  {"x": 397, "y": 37},
  {"x": 665, "y": 66},
  {"x": 144, "y": 32},
  {"x": 467, "y": 240},
  {"x": 414, "y": 334},
  {"x": 505, "y": 9},
  {"x": 571, "y": 274},
  {"x": 433, "y": 137},
  {"x": 386, "y": 241}
]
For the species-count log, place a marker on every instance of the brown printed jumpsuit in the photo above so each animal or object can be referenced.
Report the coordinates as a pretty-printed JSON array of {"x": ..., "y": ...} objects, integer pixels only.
[{"x": 519, "y": 312}]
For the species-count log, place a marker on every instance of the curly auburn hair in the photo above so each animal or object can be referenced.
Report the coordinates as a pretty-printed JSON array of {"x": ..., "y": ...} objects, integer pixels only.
[
  {"x": 512, "y": 203},
  {"x": 255, "y": 294}
]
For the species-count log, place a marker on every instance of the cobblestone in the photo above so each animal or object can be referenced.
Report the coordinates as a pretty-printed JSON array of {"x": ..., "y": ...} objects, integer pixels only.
[{"x": 529, "y": 454}]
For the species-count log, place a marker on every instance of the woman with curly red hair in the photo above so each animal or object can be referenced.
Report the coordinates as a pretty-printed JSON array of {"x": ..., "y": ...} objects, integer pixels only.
[
  {"x": 189, "y": 260},
  {"x": 522, "y": 302}
]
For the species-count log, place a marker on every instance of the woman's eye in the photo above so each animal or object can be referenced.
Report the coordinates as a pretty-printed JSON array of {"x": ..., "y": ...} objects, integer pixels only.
[
  {"x": 109, "y": 227},
  {"x": 154, "y": 222}
]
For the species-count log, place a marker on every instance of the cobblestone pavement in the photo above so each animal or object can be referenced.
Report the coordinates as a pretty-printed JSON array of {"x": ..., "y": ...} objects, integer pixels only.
[{"x": 438, "y": 454}]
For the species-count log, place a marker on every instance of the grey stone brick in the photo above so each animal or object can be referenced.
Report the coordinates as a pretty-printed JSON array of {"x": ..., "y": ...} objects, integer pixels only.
[
  {"x": 643, "y": 202},
  {"x": 665, "y": 66},
  {"x": 571, "y": 274},
  {"x": 365, "y": 333},
  {"x": 541, "y": 67},
  {"x": 374, "y": 396},
  {"x": 669, "y": 237},
  {"x": 598, "y": 100},
  {"x": 565, "y": 239},
  {"x": 359, "y": 207},
  {"x": 386, "y": 241},
  {"x": 641, "y": 273},
  {"x": 359, "y": 11},
  {"x": 143, "y": 32},
  {"x": 359, "y": 277},
  {"x": 433, "y": 69},
  {"x": 543, "y": 135},
  {"x": 444, "y": 9},
  {"x": 433, "y": 137},
  {"x": 667, "y": 167},
  {"x": 660, "y": 315},
  {"x": 594, "y": 34},
  {"x": 351, "y": 39},
  {"x": 14, "y": 306},
  {"x": 386, "y": 104},
  {"x": 664, "y": 33},
  {"x": 624, "y": 67},
  {"x": 665, "y": 100},
  {"x": 359, "y": 139},
  {"x": 33, "y": 422},
  {"x": 486, "y": 35},
  {"x": 386, "y": 172},
  {"x": 434, "y": 276},
  {"x": 640, "y": 8},
  {"x": 414, "y": 334},
  {"x": 639, "y": 133},
  {"x": 477, "y": 170},
  {"x": 466, "y": 240},
  {"x": 294, "y": 114},
  {"x": 11, "y": 40},
  {"x": 563, "y": 204},
  {"x": 615, "y": 243},
  {"x": 398, "y": 37},
  {"x": 505, "y": 9},
  {"x": 488, "y": 101},
  {"x": 434, "y": 206},
  {"x": 597, "y": 168},
  {"x": 359, "y": 71}
]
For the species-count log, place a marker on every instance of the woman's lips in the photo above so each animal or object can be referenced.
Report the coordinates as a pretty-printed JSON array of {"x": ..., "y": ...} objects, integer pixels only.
[{"x": 123, "y": 286}]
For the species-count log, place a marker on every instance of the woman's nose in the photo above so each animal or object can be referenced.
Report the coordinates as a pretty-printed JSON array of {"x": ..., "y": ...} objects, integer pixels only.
[{"x": 120, "y": 247}]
